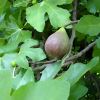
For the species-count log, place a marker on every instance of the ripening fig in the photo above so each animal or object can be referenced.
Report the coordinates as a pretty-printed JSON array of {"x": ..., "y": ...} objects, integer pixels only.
[{"x": 57, "y": 44}]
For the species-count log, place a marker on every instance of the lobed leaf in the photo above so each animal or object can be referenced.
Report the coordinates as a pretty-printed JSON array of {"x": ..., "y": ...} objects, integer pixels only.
[
  {"x": 21, "y": 3},
  {"x": 58, "y": 90},
  {"x": 51, "y": 70},
  {"x": 21, "y": 80},
  {"x": 89, "y": 24},
  {"x": 35, "y": 14},
  {"x": 5, "y": 84},
  {"x": 77, "y": 91},
  {"x": 76, "y": 71}
]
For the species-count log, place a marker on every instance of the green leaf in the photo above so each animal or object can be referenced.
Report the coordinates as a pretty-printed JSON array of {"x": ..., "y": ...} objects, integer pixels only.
[
  {"x": 7, "y": 48},
  {"x": 29, "y": 43},
  {"x": 16, "y": 80},
  {"x": 76, "y": 71},
  {"x": 96, "y": 69},
  {"x": 97, "y": 2},
  {"x": 77, "y": 91},
  {"x": 21, "y": 3},
  {"x": 21, "y": 61},
  {"x": 34, "y": 1},
  {"x": 12, "y": 25},
  {"x": 2, "y": 41},
  {"x": 51, "y": 70},
  {"x": 98, "y": 42},
  {"x": 2, "y": 22},
  {"x": 68, "y": 1},
  {"x": 59, "y": 2},
  {"x": 58, "y": 16},
  {"x": 96, "y": 52},
  {"x": 35, "y": 14},
  {"x": 1, "y": 66},
  {"x": 27, "y": 50},
  {"x": 2, "y": 17},
  {"x": 5, "y": 84},
  {"x": 7, "y": 60},
  {"x": 93, "y": 6},
  {"x": 2, "y": 5},
  {"x": 36, "y": 54},
  {"x": 89, "y": 24},
  {"x": 27, "y": 78},
  {"x": 17, "y": 36},
  {"x": 58, "y": 90}
]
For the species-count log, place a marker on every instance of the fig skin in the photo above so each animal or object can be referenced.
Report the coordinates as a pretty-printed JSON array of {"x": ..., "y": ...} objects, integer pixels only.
[{"x": 57, "y": 44}]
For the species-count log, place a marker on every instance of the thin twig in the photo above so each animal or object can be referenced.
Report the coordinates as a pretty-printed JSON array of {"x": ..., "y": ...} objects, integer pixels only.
[
  {"x": 46, "y": 62},
  {"x": 34, "y": 64},
  {"x": 75, "y": 10},
  {"x": 72, "y": 23},
  {"x": 81, "y": 52},
  {"x": 39, "y": 68},
  {"x": 67, "y": 63},
  {"x": 74, "y": 17}
]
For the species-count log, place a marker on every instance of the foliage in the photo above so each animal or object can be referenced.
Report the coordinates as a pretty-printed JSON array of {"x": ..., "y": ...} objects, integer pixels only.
[{"x": 26, "y": 73}]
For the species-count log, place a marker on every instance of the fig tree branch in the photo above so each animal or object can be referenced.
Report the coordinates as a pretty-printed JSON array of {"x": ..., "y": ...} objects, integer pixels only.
[
  {"x": 47, "y": 62},
  {"x": 69, "y": 60},
  {"x": 74, "y": 18},
  {"x": 72, "y": 23},
  {"x": 81, "y": 52}
]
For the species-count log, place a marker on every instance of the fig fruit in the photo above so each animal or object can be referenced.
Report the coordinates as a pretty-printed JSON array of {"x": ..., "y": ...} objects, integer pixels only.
[{"x": 57, "y": 44}]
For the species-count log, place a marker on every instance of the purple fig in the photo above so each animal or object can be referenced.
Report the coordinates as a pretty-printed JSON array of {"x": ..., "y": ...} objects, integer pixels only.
[{"x": 57, "y": 44}]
